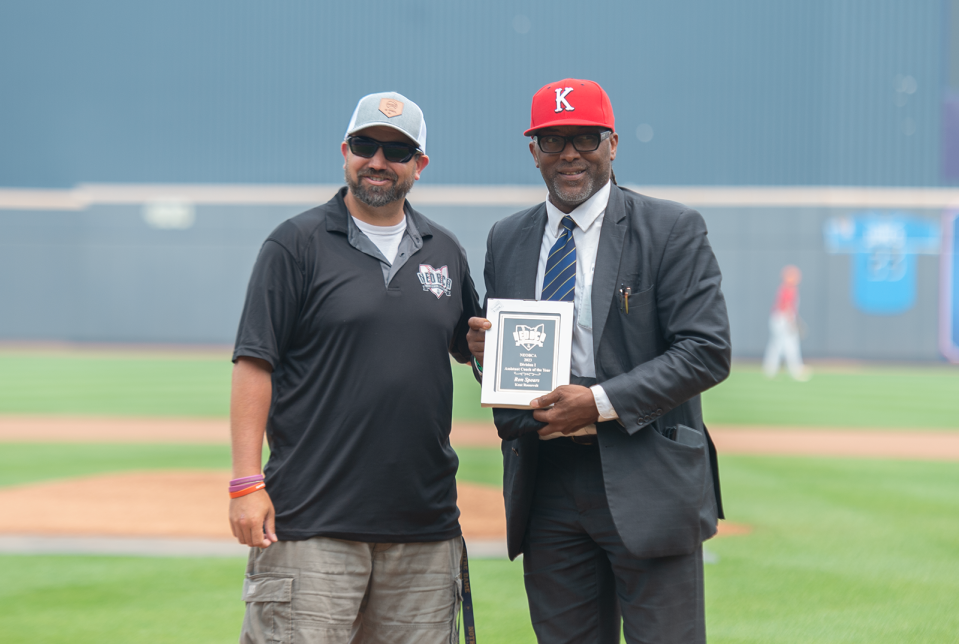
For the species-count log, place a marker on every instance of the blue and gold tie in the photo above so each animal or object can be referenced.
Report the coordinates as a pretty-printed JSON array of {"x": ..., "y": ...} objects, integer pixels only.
[{"x": 559, "y": 282}]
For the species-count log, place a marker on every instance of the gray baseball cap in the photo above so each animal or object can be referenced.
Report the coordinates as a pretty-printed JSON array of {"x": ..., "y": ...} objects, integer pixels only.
[{"x": 391, "y": 110}]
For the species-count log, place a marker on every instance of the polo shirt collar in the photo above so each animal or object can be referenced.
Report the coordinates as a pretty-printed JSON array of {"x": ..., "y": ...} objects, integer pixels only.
[{"x": 338, "y": 218}]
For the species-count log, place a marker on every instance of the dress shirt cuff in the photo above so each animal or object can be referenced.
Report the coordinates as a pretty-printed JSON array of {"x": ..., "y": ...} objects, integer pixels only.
[{"x": 605, "y": 407}]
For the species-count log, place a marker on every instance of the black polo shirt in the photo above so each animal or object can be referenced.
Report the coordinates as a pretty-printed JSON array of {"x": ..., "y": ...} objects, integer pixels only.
[{"x": 362, "y": 386}]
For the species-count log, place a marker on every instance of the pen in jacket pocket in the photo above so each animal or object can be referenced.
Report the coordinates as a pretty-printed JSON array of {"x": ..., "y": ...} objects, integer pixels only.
[{"x": 624, "y": 293}]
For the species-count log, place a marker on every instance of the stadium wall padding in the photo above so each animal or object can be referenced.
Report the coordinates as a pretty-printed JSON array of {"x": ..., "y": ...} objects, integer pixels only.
[{"x": 104, "y": 275}]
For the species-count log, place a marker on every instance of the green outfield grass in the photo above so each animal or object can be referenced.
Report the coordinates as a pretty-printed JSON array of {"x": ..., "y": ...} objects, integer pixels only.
[
  {"x": 137, "y": 385},
  {"x": 863, "y": 397},
  {"x": 114, "y": 385},
  {"x": 31, "y": 462},
  {"x": 841, "y": 551},
  {"x": 874, "y": 397},
  {"x": 90, "y": 600}
]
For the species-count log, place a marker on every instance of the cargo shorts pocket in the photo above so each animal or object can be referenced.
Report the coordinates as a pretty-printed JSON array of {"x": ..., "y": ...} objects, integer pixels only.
[{"x": 268, "y": 618}]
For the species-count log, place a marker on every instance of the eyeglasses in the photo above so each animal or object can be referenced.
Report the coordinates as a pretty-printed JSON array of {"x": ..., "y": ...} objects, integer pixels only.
[
  {"x": 554, "y": 143},
  {"x": 393, "y": 151}
]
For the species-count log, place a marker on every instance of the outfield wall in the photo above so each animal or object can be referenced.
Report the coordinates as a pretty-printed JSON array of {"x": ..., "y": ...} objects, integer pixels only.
[{"x": 99, "y": 264}]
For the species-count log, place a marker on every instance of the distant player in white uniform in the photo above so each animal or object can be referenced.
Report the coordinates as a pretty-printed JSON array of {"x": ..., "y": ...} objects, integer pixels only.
[{"x": 784, "y": 329}]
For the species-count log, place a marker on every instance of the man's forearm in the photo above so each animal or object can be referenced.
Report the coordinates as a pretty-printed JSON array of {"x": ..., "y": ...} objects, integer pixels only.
[{"x": 250, "y": 398}]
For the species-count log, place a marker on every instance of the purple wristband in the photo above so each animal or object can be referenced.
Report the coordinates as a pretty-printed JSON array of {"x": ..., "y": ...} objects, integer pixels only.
[
  {"x": 246, "y": 479},
  {"x": 243, "y": 486}
]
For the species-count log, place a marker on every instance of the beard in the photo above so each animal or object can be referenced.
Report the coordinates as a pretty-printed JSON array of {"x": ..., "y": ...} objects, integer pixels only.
[
  {"x": 571, "y": 196},
  {"x": 378, "y": 196}
]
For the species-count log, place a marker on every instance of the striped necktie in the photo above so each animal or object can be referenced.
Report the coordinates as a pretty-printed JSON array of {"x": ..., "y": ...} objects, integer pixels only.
[{"x": 559, "y": 281}]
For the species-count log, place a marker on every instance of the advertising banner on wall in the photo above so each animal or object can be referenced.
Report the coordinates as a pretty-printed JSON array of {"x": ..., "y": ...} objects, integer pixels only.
[
  {"x": 883, "y": 246},
  {"x": 949, "y": 285}
]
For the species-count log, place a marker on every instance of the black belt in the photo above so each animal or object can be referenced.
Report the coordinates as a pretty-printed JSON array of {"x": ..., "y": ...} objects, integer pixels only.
[{"x": 585, "y": 439}]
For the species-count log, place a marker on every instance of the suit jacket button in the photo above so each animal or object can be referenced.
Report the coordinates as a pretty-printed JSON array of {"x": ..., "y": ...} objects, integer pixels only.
[{"x": 659, "y": 411}]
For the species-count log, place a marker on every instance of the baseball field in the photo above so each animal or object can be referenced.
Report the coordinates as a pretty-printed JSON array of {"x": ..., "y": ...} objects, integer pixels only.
[{"x": 842, "y": 496}]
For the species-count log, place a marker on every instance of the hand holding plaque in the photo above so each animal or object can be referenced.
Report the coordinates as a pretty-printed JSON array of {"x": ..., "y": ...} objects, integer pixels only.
[{"x": 528, "y": 350}]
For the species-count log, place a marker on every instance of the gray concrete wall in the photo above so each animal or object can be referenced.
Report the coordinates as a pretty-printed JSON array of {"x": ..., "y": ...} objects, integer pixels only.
[{"x": 104, "y": 275}]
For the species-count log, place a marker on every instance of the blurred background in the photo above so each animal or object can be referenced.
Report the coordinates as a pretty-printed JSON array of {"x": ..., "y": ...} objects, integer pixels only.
[{"x": 147, "y": 149}]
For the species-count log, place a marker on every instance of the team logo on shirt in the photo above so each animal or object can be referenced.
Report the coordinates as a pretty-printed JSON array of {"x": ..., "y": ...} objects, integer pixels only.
[
  {"x": 435, "y": 280},
  {"x": 529, "y": 337}
]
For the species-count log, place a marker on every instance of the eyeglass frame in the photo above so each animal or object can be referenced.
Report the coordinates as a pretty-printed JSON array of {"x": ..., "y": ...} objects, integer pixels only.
[
  {"x": 411, "y": 149},
  {"x": 605, "y": 134}
]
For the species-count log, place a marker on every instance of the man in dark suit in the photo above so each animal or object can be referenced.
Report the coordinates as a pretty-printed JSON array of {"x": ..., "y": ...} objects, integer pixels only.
[{"x": 610, "y": 483}]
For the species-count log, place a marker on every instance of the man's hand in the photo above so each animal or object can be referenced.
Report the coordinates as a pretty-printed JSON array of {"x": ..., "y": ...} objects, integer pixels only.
[
  {"x": 252, "y": 519},
  {"x": 574, "y": 407},
  {"x": 476, "y": 337}
]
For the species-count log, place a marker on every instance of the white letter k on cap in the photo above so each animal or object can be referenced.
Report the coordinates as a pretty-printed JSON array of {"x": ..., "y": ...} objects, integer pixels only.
[{"x": 561, "y": 95}]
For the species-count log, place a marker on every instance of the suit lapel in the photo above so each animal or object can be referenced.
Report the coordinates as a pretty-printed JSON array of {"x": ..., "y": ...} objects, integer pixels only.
[
  {"x": 605, "y": 286},
  {"x": 527, "y": 255}
]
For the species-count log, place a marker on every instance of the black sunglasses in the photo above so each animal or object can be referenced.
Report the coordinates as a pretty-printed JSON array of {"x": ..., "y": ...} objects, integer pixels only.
[
  {"x": 393, "y": 151},
  {"x": 554, "y": 143}
]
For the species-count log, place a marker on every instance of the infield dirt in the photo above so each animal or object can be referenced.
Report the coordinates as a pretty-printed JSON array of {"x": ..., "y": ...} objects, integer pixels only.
[{"x": 193, "y": 504}]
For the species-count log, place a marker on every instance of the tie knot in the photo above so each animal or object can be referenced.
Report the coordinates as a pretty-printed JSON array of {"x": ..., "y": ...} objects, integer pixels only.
[{"x": 567, "y": 223}]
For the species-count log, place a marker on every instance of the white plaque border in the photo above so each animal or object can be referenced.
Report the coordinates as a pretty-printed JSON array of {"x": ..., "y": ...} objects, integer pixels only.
[{"x": 491, "y": 395}]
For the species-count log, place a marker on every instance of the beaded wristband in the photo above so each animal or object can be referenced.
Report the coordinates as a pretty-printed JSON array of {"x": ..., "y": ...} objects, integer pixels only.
[
  {"x": 479, "y": 367},
  {"x": 249, "y": 490},
  {"x": 247, "y": 479}
]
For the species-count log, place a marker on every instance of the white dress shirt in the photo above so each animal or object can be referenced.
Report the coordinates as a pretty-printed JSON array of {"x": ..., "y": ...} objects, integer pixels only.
[{"x": 589, "y": 222}]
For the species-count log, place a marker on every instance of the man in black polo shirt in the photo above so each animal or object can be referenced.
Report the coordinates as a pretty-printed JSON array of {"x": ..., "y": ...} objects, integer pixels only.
[{"x": 342, "y": 358}]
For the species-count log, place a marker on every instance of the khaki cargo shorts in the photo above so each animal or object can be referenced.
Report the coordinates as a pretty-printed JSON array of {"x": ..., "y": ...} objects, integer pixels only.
[{"x": 322, "y": 591}]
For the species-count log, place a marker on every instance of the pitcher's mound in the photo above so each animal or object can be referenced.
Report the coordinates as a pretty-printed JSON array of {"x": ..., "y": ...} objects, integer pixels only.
[
  {"x": 174, "y": 504},
  {"x": 185, "y": 504}
]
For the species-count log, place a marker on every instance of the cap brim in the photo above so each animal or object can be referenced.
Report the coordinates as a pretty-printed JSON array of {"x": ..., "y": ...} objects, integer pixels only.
[
  {"x": 392, "y": 127},
  {"x": 567, "y": 121}
]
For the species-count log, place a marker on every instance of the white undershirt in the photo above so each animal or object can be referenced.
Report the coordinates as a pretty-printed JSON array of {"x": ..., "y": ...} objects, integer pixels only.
[
  {"x": 589, "y": 217},
  {"x": 385, "y": 238}
]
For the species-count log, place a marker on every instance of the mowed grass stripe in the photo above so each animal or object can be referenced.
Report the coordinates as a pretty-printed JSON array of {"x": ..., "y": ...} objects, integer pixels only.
[
  {"x": 22, "y": 463},
  {"x": 114, "y": 386},
  {"x": 869, "y": 398},
  {"x": 117, "y": 385}
]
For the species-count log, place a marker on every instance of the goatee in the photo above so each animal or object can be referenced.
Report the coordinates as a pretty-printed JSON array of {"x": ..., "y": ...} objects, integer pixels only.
[
  {"x": 571, "y": 197},
  {"x": 378, "y": 196}
]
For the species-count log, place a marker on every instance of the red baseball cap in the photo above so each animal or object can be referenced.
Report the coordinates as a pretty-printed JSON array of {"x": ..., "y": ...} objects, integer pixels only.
[{"x": 570, "y": 102}]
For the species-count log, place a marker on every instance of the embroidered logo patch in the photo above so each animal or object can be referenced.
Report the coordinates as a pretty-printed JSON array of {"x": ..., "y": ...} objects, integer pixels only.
[
  {"x": 435, "y": 280},
  {"x": 529, "y": 337},
  {"x": 391, "y": 107},
  {"x": 561, "y": 102}
]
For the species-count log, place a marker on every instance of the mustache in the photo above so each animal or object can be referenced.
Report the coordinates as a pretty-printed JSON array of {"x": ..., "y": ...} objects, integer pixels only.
[{"x": 377, "y": 174}]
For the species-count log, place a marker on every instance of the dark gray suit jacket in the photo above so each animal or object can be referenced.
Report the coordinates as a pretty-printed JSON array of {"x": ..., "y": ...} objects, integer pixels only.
[{"x": 653, "y": 363}]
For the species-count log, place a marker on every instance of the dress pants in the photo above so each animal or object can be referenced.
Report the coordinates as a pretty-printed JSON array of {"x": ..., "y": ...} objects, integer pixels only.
[{"x": 581, "y": 582}]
